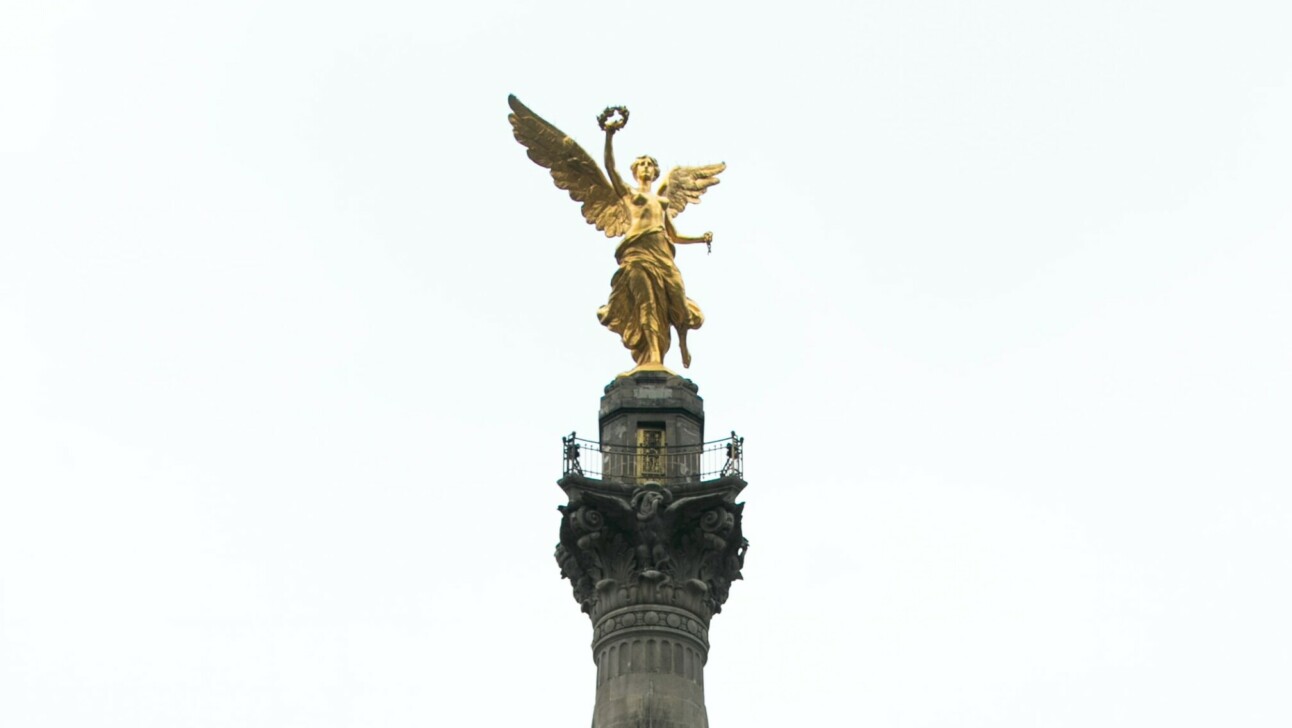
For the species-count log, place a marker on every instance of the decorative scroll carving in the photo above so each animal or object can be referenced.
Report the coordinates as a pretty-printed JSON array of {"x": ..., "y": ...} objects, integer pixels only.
[{"x": 622, "y": 546}]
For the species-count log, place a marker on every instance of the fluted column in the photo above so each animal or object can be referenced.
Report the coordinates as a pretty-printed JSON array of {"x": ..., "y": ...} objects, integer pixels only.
[{"x": 650, "y": 664}]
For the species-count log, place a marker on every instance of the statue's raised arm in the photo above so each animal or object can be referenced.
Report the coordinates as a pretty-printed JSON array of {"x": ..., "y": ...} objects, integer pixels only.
[
  {"x": 609, "y": 124},
  {"x": 647, "y": 296}
]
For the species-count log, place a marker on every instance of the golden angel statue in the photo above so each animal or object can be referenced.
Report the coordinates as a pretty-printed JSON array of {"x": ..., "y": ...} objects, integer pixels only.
[{"x": 647, "y": 297}]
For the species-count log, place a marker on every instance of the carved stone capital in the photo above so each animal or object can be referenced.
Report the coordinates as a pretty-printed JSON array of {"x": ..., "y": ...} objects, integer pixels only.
[{"x": 624, "y": 545}]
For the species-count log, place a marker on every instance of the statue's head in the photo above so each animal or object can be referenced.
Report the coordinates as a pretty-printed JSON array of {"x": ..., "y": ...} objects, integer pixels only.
[{"x": 645, "y": 169}]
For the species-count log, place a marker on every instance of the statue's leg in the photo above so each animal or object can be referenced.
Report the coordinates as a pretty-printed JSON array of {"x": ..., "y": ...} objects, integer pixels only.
[
  {"x": 663, "y": 294},
  {"x": 684, "y": 315},
  {"x": 641, "y": 288}
]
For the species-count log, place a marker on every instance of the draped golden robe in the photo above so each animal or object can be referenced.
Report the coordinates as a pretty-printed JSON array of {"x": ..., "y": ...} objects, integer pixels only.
[{"x": 647, "y": 297}]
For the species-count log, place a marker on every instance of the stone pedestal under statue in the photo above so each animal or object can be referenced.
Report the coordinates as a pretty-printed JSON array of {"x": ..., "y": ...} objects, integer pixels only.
[{"x": 651, "y": 542}]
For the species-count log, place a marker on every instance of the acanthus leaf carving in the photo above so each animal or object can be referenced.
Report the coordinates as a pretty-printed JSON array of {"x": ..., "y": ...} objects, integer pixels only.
[{"x": 649, "y": 547}]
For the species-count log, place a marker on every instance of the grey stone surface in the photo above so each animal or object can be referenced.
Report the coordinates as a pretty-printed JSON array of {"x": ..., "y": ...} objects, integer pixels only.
[
  {"x": 651, "y": 564},
  {"x": 652, "y": 397}
]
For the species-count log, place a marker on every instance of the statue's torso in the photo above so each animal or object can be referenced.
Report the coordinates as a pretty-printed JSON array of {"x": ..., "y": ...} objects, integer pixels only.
[{"x": 647, "y": 210}]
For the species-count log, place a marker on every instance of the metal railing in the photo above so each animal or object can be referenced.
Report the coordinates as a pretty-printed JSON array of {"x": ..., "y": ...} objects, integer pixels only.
[{"x": 670, "y": 464}]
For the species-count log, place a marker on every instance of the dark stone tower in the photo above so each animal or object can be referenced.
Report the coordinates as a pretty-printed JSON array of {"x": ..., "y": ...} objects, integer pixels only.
[{"x": 651, "y": 542}]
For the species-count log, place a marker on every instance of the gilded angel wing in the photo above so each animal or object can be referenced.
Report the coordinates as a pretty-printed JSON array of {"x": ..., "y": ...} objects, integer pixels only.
[
  {"x": 572, "y": 169},
  {"x": 684, "y": 185}
]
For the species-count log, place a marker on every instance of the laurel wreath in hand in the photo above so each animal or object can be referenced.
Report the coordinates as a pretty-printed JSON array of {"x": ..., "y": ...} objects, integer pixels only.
[{"x": 608, "y": 123}]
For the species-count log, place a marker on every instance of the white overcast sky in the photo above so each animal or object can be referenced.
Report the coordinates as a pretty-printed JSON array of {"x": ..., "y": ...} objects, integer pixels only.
[{"x": 290, "y": 328}]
